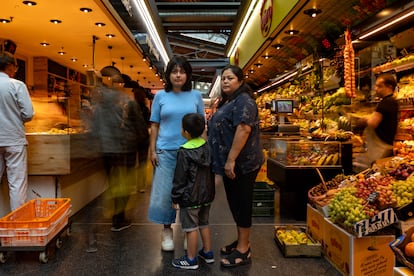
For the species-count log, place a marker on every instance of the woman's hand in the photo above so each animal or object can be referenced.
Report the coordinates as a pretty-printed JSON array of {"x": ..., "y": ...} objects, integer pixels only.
[
  {"x": 154, "y": 158},
  {"x": 229, "y": 169}
]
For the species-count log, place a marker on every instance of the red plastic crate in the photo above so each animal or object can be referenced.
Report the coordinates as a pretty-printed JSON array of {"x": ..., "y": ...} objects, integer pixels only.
[{"x": 35, "y": 223}]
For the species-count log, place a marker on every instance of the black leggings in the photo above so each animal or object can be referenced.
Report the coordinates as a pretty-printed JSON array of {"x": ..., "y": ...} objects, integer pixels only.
[{"x": 239, "y": 192}]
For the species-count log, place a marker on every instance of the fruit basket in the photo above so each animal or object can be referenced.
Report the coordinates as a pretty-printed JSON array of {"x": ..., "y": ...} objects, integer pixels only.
[
  {"x": 293, "y": 241},
  {"x": 398, "y": 247}
]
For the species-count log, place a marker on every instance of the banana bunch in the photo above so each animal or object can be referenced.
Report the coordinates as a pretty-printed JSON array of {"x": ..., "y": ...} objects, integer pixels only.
[
  {"x": 344, "y": 123},
  {"x": 328, "y": 159},
  {"x": 292, "y": 236}
]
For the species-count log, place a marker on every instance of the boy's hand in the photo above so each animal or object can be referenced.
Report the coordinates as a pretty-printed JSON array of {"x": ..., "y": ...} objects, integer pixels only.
[{"x": 175, "y": 206}]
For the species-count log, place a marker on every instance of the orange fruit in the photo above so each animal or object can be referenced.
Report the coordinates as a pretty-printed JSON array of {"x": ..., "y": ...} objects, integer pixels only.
[{"x": 409, "y": 249}]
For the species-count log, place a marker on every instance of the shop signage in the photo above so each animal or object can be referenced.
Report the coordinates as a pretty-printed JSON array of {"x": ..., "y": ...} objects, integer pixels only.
[{"x": 266, "y": 15}]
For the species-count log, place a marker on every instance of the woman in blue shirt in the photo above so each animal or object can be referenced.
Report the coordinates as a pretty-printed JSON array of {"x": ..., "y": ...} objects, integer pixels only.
[
  {"x": 167, "y": 110},
  {"x": 237, "y": 156}
]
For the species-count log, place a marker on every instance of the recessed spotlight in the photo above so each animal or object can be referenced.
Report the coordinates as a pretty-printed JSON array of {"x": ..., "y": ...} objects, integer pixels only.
[
  {"x": 100, "y": 24},
  {"x": 85, "y": 10},
  {"x": 61, "y": 52},
  {"x": 312, "y": 12},
  {"x": 277, "y": 46},
  {"x": 251, "y": 71},
  {"x": 29, "y": 3},
  {"x": 110, "y": 35},
  {"x": 267, "y": 56},
  {"x": 258, "y": 65},
  {"x": 74, "y": 59},
  {"x": 292, "y": 32},
  {"x": 85, "y": 65},
  {"x": 55, "y": 21},
  {"x": 5, "y": 21},
  {"x": 44, "y": 44}
]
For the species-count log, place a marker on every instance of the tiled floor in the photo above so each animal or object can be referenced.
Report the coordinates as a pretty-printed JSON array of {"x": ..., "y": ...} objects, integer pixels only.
[{"x": 136, "y": 251}]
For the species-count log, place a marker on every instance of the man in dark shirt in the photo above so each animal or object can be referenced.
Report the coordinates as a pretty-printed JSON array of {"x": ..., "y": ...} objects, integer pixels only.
[{"x": 381, "y": 125}]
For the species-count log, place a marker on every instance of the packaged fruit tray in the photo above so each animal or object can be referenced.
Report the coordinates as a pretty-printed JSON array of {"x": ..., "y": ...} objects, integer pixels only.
[
  {"x": 35, "y": 223},
  {"x": 404, "y": 245},
  {"x": 293, "y": 241}
]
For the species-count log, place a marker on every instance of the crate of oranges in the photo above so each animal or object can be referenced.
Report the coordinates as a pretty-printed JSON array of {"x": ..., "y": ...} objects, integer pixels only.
[{"x": 403, "y": 248}]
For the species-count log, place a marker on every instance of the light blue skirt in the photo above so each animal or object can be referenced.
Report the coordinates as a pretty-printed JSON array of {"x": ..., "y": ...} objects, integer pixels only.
[{"x": 160, "y": 206}]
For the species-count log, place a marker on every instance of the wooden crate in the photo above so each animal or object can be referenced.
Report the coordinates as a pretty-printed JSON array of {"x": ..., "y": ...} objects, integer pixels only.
[{"x": 313, "y": 249}]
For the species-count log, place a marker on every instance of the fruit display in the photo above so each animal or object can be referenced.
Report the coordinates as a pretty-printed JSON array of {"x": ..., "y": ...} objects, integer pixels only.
[
  {"x": 311, "y": 154},
  {"x": 346, "y": 208},
  {"x": 403, "y": 191},
  {"x": 292, "y": 236},
  {"x": 404, "y": 148},
  {"x": 322, "y": 193}
]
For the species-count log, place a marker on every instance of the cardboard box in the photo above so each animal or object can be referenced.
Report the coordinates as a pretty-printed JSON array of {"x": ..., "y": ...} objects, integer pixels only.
[
  {"x": 364, "y": 256},
  {"x": 405, "y": 225},
  {"x": 315, "y": 223}
]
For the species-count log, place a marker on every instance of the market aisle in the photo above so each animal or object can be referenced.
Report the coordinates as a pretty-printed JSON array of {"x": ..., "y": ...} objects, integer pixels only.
[{"x": 136, "y": 251}]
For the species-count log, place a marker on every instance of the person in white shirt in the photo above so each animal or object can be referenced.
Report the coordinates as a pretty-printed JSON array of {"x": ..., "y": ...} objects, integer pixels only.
[{"x": 15, "y": 109}]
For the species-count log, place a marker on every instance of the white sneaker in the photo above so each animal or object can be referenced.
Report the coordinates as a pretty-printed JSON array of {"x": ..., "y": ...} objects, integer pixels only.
[{"x": 167, "y": 242}]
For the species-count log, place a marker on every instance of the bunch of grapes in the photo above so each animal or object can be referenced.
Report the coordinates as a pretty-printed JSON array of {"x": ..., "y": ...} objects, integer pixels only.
[
  {"x": 379, "y": 184},
  {"x": 402, "y": 172},
  {"x": 346, "y": 208},
  {"x": 403, "y": 190}
]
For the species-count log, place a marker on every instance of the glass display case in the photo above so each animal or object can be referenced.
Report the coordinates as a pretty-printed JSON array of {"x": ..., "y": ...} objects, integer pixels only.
[{"x": 290, "y": 152}]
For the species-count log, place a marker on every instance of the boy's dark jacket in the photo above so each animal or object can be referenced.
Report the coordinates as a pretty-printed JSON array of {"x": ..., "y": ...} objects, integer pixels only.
[{"x": 193, "y": 184}]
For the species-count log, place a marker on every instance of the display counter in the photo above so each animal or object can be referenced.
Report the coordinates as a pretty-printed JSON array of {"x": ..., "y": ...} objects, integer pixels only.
[
  {"x": 291, "y": 166},
  {"x": 62, "y": 165}
]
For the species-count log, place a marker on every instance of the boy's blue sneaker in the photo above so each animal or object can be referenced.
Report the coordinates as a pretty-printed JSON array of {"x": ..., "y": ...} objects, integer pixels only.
[
  {"x": 185, "y": 263},
  {"x": 208, "y": 257}
]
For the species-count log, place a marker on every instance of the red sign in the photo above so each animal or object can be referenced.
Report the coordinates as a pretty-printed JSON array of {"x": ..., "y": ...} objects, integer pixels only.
[{"x": 266, "y": 15}]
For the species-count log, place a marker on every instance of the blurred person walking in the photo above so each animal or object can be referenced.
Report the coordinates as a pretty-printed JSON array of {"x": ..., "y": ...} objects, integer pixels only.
[
  {"x": 15, "y": 109},
  {"x": 120, "y": 127},
  {"x": 234, "y": 138},
  {"x": 167, "y": 110}
]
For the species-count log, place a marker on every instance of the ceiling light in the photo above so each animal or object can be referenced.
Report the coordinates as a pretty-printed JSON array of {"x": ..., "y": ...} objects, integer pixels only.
[
  {"x": 100, "y": 24},
  {"x": 55, "y": 21},
  {"x": 110, "y": 35},
  {"x": 266, "y": 56},
  {"x": 30, "y": 3},
  {"x": 61, "y": 52},
  {"x": 44, "y": 44},
  {"x": 277, "y": 46},
  {"x": 85, "y": 10},
  {"x": 291, "y": 32},
  {"x": 258, "y": 65},
  {"x": 4, "y": 20},
  {"x": 152, "y": 30},
  {"x": 85, "y": 65},
  {"x": 251, "y": 71},
  {"x": 383, "y": 26},
  {"x": 312, "y": 12},
  {"x": 74, "y": 59}
]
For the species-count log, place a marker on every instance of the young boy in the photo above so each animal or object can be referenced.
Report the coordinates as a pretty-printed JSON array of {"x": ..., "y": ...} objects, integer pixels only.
[{"x": 193, "y": 191}]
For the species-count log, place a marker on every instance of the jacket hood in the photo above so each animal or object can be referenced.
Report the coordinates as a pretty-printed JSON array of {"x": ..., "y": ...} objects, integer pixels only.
[{"x": 198, "y": 151}]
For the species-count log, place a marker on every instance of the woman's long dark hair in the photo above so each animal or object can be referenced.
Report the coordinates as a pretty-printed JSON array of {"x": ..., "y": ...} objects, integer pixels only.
[
  {"x": 186, "y": 66},
  {"x": 244, "y": 88}
]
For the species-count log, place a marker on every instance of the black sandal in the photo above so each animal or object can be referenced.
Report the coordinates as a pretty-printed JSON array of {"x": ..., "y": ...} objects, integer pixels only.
[
  {"x": 236, "y": 254},
  {"x": 228, "y": 249}
]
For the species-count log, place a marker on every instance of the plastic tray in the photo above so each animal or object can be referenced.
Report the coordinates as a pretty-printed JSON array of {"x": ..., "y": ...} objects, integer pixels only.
[{"x": 34, "y": 223}]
